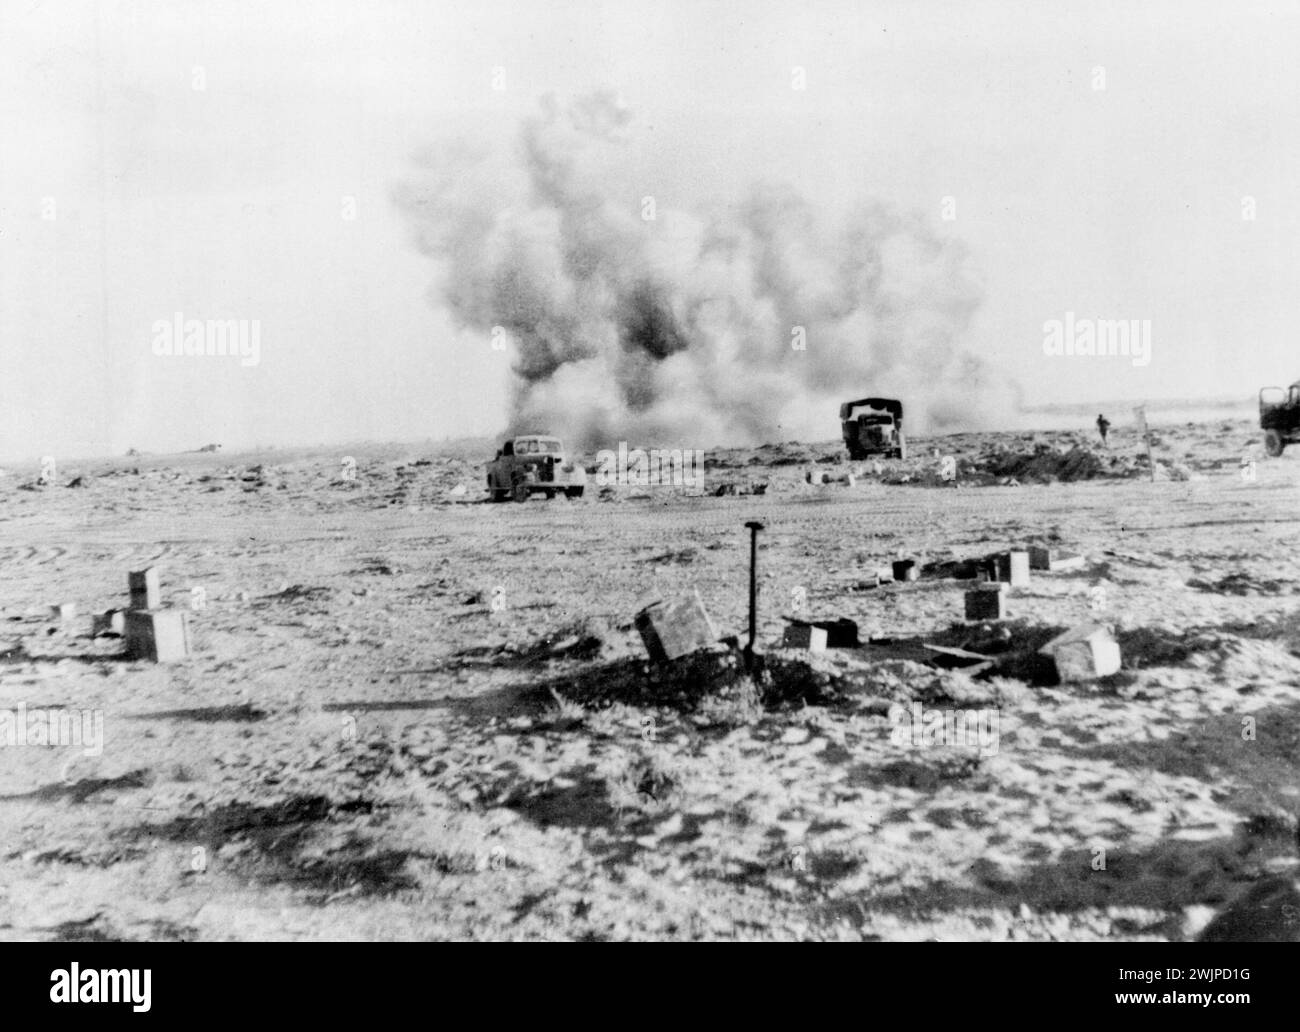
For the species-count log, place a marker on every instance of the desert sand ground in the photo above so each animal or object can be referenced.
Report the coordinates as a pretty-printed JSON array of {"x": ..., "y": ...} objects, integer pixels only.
[{"x": 363, "y": 746}]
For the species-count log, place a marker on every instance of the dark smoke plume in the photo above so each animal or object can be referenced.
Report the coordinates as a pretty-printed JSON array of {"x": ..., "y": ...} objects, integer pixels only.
[{"x": 679, "y": 330}]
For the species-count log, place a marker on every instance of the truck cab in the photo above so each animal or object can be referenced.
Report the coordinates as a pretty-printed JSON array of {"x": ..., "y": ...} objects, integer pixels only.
[
  {"x": 873, "y": 426},
  {"x": 1279, "y": 417},
  {"x": 533, "y": 464}
]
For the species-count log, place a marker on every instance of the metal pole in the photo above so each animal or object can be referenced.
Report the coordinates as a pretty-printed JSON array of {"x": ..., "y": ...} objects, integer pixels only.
[{"x": 754, "y": 527}]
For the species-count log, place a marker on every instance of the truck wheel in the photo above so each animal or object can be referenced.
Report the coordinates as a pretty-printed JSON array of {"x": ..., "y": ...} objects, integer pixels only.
[
  {"x": 550, "y": 495},
  {"x": 499, "y": 496},
  {"x": 573, "y": 492},
  {"x": 520, "y": 492},
  {"x": 1273, "y": 443}
]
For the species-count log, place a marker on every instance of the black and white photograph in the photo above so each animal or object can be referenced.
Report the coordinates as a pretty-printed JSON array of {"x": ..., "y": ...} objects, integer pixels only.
[{"x": 593, "y": 471}]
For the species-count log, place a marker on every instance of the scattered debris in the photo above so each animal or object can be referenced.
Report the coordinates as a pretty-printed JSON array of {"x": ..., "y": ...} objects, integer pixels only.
[
  {"x": 675, "y": 628},
  {"x": 987, "y": 602},
  {"x": 1242, "y": 584},
  {"x": 905, "y": 570},
  {"x": 816, "y": 635},
  {"x": 1012, "y": 567},
  {"x": 1043, "y": 558},
  {"x": 957, "y": 569},
  {"x": 1083, "y": 653},
  {"x": 841, "y": 633},
  {"x": 580, "y": 639},
  {"x": 145, "y": 590},
  {"x": 1129, "y": 557},
  {"x": 111, "y": 621},
  {"x": 294, "y": 591},
  {"x": 728, "y": 488},
  {"x": 64, "y": 611},
  {"x": 961, "y": 659},
  {"x": 162, "y": 636},
  {"x": 802, "y": 635},
  {"x": 1179, "y": 471}
]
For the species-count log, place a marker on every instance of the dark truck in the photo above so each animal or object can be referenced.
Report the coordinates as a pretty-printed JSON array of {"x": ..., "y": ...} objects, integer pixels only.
[
  {"x": 1279, "y": 417},
  {"x": 873, "y": 426}
]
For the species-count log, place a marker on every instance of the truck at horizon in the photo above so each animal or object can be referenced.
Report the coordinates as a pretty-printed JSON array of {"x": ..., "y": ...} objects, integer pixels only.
[{"x": 873, "y": 426}]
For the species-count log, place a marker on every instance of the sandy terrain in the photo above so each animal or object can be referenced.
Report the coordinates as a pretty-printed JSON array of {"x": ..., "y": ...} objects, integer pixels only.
[{"x": 371, "y": 741}]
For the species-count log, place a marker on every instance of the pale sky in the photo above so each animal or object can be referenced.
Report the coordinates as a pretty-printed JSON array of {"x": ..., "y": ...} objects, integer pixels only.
[{"x": 127, "y": 194}]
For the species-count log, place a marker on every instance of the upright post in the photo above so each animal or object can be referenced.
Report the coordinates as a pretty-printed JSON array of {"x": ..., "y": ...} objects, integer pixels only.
[{"x": 754, "y": 527}]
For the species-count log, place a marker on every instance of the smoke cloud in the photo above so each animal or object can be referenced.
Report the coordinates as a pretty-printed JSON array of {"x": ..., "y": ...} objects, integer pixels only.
[{"x": 682, "y": 328}]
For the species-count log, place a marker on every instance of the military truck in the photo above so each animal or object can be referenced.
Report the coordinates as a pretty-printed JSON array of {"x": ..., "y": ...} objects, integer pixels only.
[
  {"x": 533, "y": 464},
  {"x": 873, "y": 426},
  {"x": 1279, "y": 417}
]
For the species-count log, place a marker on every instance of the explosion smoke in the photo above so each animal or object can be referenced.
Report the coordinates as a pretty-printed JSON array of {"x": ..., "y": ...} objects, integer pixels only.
[{"x": 682, "y": 328}]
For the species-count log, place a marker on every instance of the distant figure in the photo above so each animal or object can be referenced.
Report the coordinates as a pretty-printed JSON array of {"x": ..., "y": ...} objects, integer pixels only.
[{"x": 1103, "y": 424}]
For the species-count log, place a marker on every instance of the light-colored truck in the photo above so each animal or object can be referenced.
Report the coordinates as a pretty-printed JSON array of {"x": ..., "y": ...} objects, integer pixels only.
[{"x": 533, "y": 464}]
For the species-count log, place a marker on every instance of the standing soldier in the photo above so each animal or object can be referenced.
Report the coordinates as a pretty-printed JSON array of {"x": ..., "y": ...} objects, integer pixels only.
[{"x": 1103, "y": 424}]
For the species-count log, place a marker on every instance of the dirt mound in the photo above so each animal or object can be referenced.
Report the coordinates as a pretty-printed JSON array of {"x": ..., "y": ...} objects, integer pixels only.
[
  {"x": 683, "y": 684},
  {"x": 1047, "y": 463},
  {"x": 831, "y": 679},
  {"x": 584, "y": 638},
  {"x": 1242, "y": 584}
]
